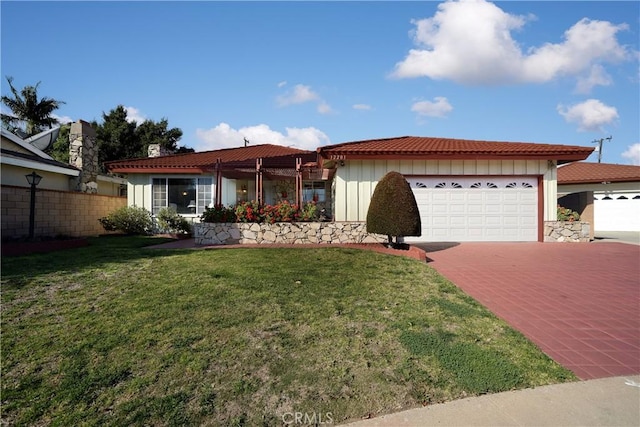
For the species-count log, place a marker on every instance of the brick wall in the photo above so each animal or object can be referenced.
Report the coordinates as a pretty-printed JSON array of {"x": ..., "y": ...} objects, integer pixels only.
[{"x": 57, "y": 213}]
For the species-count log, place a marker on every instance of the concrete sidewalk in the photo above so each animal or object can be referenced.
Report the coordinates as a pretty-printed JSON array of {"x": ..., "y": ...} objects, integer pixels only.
[
  {"x": 632, "y": 237},
  {"x": 603, "y": 402}
]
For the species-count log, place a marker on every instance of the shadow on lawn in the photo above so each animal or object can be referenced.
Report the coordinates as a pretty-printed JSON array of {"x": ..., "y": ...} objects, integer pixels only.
[{"x": 100, "y": 251}]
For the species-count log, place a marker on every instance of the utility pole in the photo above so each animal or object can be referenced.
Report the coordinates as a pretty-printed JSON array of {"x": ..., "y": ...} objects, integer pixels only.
[{"x": 600, "y": 141}]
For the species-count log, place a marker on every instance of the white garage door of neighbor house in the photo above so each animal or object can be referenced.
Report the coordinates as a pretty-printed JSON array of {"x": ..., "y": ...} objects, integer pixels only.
[
  {"x": 476, "y": 209},
  {"x": 616, "y": 211}
]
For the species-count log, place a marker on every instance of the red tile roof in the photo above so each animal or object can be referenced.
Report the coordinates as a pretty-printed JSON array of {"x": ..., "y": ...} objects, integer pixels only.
[
  {"x": 206, "y": 160},
  {"x": 583, "y": 173},
  {"x": 413, "y": 146}
]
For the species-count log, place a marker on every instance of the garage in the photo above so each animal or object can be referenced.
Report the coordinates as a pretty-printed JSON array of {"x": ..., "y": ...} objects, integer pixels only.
[
  {"x": 617, "y": 211},
  {"x": 467, "y": 190},
  {"x": 616, "y": 193},
  {"x": 476, "y": 209}
]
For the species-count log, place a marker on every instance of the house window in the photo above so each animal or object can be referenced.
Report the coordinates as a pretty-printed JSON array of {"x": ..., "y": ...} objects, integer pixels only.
[
  {"x": 185, "y": 195},
  {"x": 313, "y": 191}
]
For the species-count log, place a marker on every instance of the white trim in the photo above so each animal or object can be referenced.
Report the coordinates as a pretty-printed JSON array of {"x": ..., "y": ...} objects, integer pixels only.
[
  {"x": 32, "y": 164},
  {"x": 114, "y": 179}
]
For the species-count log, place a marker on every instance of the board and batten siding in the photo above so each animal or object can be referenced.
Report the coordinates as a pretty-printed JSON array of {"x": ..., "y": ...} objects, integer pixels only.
[{"x": 355, "y": 182}]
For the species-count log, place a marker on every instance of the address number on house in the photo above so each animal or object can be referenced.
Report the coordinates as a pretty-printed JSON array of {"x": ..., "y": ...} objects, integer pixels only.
[{"x": 337, "y": 157}]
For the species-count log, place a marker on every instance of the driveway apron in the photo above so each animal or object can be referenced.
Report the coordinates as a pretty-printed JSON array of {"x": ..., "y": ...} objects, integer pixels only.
[{"x": 579, "y": 302}]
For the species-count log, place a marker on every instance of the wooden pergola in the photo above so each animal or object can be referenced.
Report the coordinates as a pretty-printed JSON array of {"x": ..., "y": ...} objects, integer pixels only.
[{"x": 271, "y": 168}]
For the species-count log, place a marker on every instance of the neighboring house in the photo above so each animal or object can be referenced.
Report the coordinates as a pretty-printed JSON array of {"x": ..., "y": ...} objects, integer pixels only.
[
  {"x": 22, "y": 156},
  {"x": 613, "y": 190},
  {"x": 69, "y": 198},
  {"x": 466, "y": 190}
]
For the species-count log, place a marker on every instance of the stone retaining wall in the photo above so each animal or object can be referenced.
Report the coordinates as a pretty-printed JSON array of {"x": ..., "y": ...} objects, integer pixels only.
[
  {"x": 283, "y": 232},
  {"x": 566, "y": 231},
  {"x": 339, "y": 232}
]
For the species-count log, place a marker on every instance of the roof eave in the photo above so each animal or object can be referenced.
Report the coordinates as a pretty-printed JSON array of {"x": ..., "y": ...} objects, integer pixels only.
[
  {"x": 347, "y": 155},
  {"x": 598, "y": 181},
  {"x": 157, "y": 170}
]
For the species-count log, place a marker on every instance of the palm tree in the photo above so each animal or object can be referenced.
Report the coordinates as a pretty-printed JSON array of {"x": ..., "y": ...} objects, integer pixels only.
[{"x": 27, "y": 108}]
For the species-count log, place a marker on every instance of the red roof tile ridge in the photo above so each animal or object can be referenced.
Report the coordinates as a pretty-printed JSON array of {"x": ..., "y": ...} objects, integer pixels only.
[
  {"x": 345, "y": 145},
  {"x": 209, "y": 152},
  {"x": 591, "y": 172}
]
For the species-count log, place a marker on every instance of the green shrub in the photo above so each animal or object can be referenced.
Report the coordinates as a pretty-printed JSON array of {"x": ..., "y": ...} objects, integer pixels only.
[
  {"x": 219, "y": 213},
  {"x": 393, "y": 209},
  {"x": 566, "y": 214},
  {"x": 129, "y": 220},
  {"x": 171, "y": 222}
]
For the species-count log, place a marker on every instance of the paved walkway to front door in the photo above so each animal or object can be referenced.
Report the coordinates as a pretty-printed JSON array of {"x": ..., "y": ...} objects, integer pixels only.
[{"x": 579, "y": 302}]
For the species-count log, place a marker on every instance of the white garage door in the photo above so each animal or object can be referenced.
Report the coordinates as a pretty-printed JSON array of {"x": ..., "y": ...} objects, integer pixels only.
[
  {"x": 476, "y": 209},
  {"x": 616, "y": 211}
]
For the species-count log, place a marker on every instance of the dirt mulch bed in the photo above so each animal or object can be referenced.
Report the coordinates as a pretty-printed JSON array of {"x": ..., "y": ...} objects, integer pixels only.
[{"x": 27, "y": 248}]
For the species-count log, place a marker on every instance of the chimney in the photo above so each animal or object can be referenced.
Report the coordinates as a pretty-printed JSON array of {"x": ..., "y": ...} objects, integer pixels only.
[
  {"x": 156, "y": 150},
  {"x": 83, "y": 154}
]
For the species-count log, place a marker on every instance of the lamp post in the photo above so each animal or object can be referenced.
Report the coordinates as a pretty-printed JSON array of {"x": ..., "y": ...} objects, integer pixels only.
[{"x": 33, "y": 179}]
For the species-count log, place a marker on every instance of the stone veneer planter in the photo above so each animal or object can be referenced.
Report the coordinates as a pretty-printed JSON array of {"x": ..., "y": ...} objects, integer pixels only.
[
  {"x": 566, "y": 231},
  {"x": 283, "y": 232}
]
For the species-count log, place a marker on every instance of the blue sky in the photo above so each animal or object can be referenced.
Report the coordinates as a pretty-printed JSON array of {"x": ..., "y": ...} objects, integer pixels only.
[{"x": 314, "y": 73}]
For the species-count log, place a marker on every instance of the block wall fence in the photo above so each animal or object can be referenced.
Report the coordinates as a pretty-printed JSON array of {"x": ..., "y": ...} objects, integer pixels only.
[{"x": 57, "y": 213}]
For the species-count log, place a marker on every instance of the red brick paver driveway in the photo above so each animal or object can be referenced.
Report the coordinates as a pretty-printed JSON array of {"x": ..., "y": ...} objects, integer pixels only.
[{"x": 580, "y": 303}]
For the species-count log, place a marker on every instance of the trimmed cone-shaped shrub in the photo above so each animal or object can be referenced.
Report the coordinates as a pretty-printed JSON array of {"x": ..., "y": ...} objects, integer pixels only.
[{"x": 393, "y": 209}]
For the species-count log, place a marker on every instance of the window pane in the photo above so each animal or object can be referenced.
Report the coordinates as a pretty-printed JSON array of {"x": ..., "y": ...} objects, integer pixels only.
[
  {"x": 313, "y": 190},
  {"x": 204, "y": 194},
  {"x": 182, "y": 195},
  {"x": 159, "y": 194}
]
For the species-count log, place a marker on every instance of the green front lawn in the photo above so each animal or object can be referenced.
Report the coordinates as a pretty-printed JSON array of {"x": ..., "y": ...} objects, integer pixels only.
[{"x": 117, "y": 334}]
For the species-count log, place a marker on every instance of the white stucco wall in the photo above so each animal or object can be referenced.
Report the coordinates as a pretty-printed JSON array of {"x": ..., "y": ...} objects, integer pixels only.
[
  {"x": 15, "y": 175},
  {"x": 356, "y": 180}
]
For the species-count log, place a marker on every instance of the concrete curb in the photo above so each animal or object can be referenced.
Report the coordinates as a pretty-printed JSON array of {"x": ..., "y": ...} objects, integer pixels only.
[{"x": 603, "y": 402}]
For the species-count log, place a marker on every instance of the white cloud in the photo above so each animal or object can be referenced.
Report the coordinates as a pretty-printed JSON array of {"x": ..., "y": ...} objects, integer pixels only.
[
  {"x": 590, "y": 115},
  {"x": 597, "y": 77},
  {"x": 224, "y": 136},
  {"x": 439, "y": 108},
  {"x": 633, "y": 154},
  {"x": 470, "y": 42},
  {"x": 299, "y": 95},
  {"x": 361, "y": 107},
  {"x": 62, "y": 119},
  {"x": 324, "y": 108},
  {"x": 282, "y": 83},
  {"x": 134, "y": 115}
]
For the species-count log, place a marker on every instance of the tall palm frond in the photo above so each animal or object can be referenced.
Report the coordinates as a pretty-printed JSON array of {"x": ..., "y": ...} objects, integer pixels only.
[{"x": 26, "y": 107}]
